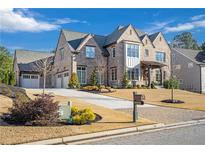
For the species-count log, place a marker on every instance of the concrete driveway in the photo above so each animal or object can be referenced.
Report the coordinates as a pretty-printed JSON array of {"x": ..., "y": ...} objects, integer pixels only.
[{"x": 100, "y": 100}]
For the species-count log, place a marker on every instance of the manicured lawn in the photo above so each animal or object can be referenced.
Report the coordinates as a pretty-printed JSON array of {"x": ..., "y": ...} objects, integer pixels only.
[
  {"x": 111, "y": 120},
  {"x": 194, "y": 101}
]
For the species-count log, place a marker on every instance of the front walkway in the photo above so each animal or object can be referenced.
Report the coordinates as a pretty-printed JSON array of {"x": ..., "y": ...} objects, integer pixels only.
[{"x": 159, "y": 114}]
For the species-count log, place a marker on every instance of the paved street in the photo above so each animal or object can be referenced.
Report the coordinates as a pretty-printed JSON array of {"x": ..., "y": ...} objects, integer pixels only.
[
  {"x": 155, "y": 113},
  {"x": 190, "y": 135},
  {"x": 168, "y": 115}
]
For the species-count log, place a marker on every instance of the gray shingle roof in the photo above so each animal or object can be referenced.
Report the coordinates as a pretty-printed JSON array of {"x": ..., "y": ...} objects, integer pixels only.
[
  {"x": 27, "y": 56},
  {"x": 26, "y": 59},
  {"x": 195, "y": 55},
  {"x": 152, "y": 37},
  {"x": 74, "y": 38},
  {"x": 114, "y": 36}
]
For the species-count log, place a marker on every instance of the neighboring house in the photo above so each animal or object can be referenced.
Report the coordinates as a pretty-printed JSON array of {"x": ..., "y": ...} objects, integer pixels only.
[
  {"x": 145, "y": 58},
  {"x": 28, "y": 68},
  {"x": 189, "y": 68}
]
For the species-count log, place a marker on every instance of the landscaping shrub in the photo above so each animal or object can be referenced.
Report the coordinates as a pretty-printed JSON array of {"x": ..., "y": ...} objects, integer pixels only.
[
  {"x": 41, "y": 111},
  {"x": 101, "y": 87},
  {"x": 125, "y": 81},
  {"x": 81, "y": 117},
  {"x": 153, "y": 84},
  {"x": 90, "y": 88},
  {"x": 74, "y": 82},
  {"x": 93, "y": 78},
  {"x": 171, "y": 82}
]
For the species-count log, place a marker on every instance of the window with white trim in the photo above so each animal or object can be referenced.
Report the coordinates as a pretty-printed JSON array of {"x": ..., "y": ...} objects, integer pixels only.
[
  {"x": 160, "y": 56},
  {"x": 114, "y": 73},
  {"x": 90, "y": 52},
  {"x": 133, "y": 50},
  {"x": 146, "y": 53},
  {"x": 113, "y": 52},
  {"x": 133, "y": 74},
  {"x": 62, "y": 53}
]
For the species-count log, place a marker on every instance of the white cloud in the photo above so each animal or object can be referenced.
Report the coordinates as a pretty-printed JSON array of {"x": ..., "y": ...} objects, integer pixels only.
[
  {"x": 185, "y": 26},
  {"x": 23, "y": 20},
  {"x": 157, "y": 26},
  {"x": 197, "y": 17},
  {"x": 68, "y": 20}
]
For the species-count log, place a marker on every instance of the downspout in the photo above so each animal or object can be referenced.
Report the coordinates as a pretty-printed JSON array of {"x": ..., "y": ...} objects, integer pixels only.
[{"x": 108, "y": 71}]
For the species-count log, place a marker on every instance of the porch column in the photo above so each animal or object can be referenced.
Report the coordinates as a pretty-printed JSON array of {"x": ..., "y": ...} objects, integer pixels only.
[
  {"x": 73, "y": 64},
  {"x": 149, "y": 76},
  {"x": 161, "y": 76}
]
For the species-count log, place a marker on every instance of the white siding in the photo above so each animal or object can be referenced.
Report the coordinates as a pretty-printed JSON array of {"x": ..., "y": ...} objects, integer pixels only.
[{"x": 203, "y": 79}]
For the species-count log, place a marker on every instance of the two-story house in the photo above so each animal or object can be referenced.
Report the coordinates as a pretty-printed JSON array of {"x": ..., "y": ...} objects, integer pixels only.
[{"x": 145, "y": 58}]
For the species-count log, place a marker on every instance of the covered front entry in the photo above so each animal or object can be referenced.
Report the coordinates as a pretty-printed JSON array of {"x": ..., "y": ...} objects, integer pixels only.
[
  {"x": 148, "y": 67},
  {"x": 62, "y": 80}
]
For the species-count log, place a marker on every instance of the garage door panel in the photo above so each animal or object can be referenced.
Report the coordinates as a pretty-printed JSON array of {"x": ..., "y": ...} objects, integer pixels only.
[{"x": 30, "y": 81}]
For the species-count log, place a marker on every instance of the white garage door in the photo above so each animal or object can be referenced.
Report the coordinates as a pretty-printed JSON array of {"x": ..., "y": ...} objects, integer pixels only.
[
  {"x": 62, "y": 80},
  {"x": 203, "y": 79},
  {"x": 65, "y": 80},
  {"x": 59, "y": 81},
  {"x": 30, "y": 81}
]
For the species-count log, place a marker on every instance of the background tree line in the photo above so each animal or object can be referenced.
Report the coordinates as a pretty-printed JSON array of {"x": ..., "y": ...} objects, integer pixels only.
[
  {"x": 7, "y": 74},
  {"x": 186, "y": 40}
]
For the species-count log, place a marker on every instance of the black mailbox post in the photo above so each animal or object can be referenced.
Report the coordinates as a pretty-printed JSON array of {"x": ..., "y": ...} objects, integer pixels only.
[{"x": 138, "y": 99}]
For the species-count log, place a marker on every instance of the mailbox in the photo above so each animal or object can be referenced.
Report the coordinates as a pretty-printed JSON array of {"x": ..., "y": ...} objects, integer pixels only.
[{"x": 138, "y": 98}]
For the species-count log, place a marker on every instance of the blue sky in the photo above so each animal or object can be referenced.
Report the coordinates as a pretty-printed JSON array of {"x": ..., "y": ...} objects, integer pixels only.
[{"x": 38, "y": 29}]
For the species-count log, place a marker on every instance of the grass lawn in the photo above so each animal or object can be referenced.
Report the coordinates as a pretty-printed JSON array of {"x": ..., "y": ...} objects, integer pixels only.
[
  {"x": 193, "y": 101},
  {"x": 111, "y": 120}
]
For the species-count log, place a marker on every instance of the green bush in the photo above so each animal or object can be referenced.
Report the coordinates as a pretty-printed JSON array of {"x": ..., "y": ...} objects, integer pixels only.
[
  {"x": 125, "y": 81},
  {"x": 171, "y": 82},
  {"x": 93, "y": 78},
  {"x": 153, "y": 84},
  {"x": 74, "y": 82},
  {"x": 80, "y": 117}
]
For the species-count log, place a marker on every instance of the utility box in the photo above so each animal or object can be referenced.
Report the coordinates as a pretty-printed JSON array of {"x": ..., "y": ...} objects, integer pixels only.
[{"x": 65, "y": 111}]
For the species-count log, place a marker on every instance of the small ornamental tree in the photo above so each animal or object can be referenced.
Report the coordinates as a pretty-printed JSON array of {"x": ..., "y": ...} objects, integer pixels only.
[
  {"x": 41, "y": 111},
  {"x": 73, "y": 82},
  {"x": 93, "y": 78},
  {"x": 125, "y": 81}
]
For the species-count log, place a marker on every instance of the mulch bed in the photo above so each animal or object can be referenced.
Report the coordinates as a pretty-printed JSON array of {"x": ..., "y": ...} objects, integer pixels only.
[{"x": 172, "y": 101}]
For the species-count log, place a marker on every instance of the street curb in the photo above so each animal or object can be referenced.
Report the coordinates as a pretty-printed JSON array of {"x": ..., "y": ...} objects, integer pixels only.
[{"x": 84, "y": 137}]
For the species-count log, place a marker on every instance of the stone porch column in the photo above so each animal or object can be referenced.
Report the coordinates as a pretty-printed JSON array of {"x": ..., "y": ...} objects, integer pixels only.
[
  {"x": 149, "y": 76},
  {"x": 161, "y": 76},
  {"x": 73, "y": 64}
]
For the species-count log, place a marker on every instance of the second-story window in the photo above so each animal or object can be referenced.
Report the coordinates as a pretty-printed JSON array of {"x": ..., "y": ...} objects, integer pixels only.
[
  {"x": 62, "y": 53},
  {"x": 90, "y": 52},
  {"x": 146, "y": 53},
  {"x": 133, "y": 50},
  {"x": 160, "y": 56},
  {"x": 113, "y": 52}
]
